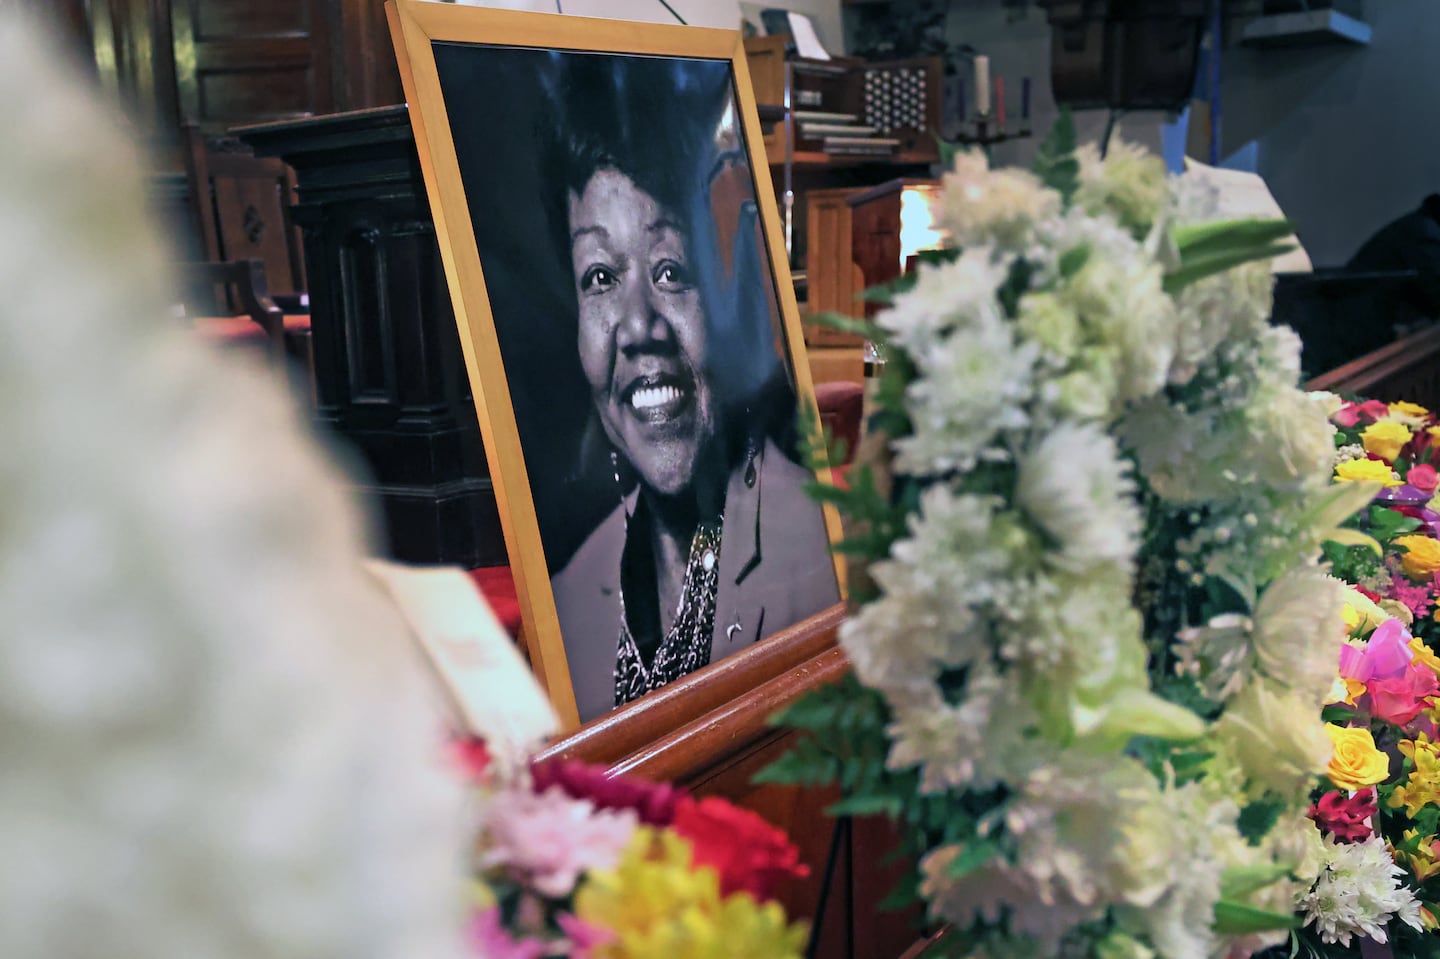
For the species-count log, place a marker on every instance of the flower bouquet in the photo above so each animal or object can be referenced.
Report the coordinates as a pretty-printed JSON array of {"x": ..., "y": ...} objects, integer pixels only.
[
  {"x": 1393, "y": 445},
  {"x": 572, "y": 862},
  {"x": 1373, "y": 862},
  {"x": 1094, "y": 634}
]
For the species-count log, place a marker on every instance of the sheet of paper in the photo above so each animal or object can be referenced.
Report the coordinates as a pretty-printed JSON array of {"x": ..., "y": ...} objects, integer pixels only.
[
  {"x": 484, "y": 676},
  {"x": 1245, "y": 194},
  {"x": 807, "y": 43}
]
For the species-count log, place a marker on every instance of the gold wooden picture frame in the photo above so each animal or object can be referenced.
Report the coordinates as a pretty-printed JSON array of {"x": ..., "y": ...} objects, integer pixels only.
[{"x": 612, "y": 245}]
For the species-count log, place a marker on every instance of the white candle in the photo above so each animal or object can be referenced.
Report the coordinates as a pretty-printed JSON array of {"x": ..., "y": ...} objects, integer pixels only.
[{"x": 982, "y": 84}]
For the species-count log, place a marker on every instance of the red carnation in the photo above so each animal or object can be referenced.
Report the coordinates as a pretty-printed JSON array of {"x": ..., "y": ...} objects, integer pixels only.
[
  {"x": 473, "y": 758},
  {"x": 749, "y": 854},
  {"x": 1347, "y": 818},
  {"x": 653, "y": 804}
]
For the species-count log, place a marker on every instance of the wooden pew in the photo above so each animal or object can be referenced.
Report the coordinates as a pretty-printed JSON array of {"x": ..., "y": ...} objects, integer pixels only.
[{"x": 1407, "y": 369}]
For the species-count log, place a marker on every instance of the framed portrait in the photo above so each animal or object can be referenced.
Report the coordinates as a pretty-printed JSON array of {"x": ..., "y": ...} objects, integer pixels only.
[{"x": 610, "y": 236}]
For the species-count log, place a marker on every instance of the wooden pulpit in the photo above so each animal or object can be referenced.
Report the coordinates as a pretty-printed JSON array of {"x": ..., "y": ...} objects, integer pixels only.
[{"x": 389, "y": 375}]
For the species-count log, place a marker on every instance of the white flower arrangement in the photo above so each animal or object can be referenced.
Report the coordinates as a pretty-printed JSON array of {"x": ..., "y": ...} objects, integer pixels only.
[
  {"x": 1100, "y": 636},
  {"x": 215, "y": 738}
]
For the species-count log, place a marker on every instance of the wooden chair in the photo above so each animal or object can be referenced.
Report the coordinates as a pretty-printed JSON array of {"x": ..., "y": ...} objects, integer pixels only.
[
  {"x": 229, "y": 301},
  {"x": 242, "y": 205}
]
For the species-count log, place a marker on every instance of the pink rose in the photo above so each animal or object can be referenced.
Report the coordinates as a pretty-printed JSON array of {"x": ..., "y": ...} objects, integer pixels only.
[
  {"x": 1400, "y": 699},
  {"x": 1352, "y": 413},
  {"x": 1424, "y": 478}
]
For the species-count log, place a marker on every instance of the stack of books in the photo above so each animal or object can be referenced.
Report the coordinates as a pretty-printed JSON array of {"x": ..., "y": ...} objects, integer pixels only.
[{"x": 842, "y": 134}]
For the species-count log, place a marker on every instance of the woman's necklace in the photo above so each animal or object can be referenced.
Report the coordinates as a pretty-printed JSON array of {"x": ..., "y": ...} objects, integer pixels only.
[{"x": 686, "y": 647}]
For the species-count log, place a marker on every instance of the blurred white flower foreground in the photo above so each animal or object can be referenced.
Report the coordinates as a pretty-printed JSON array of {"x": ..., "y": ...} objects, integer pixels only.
[{"x": 214, "y": 742}]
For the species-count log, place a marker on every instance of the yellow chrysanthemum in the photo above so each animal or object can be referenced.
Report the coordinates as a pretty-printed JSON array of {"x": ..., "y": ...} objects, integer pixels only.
[
  {"x": 1366, "y": 471},
  {"x": 1385, "y": 439},
  {"x": 1422, "y": 787},
  {"x": 658, "y": 907},
  {"x": 1422, "y": 862}
]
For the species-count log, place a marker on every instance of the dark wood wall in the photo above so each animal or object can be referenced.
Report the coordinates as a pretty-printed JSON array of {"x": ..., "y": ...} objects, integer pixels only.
[{"x": 225, "y": 63}]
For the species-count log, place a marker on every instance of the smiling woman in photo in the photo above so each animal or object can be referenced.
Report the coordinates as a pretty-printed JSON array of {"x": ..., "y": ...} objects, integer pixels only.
[{"x": 712, "y": 543}]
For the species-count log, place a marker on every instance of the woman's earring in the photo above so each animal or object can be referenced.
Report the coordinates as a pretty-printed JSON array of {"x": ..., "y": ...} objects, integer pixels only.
[{"x": 619, "y": 487}]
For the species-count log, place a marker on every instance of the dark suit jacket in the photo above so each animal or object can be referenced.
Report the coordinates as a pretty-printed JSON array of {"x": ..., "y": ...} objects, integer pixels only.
[{"x": 775, "y": 570}]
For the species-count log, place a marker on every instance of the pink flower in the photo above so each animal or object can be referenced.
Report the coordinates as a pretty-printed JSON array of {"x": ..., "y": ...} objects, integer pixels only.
[
  {"x": 1352, "y": 413},
  {"x": 1386, "y": 656},
  {"x": 1400, "y": 699},
  {"x": 584, "y": 938},
  {"x": 1345, "y": 817},
  {"x": 654, "y": 803},
  {"x": 551, "y": 839},
  {"x": 491, "y": 941},
  {"x": 1416, "y": 597},
  {"x": 1424, "y": 478}
]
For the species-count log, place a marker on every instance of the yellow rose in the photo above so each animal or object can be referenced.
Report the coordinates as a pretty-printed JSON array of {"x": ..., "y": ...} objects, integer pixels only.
[
  {"x": 1366, "y": 471},
  {"x": 1356, "y": 762},
  {"x": 1422, "y": 555},
  {"x": 1409, "y": 410},
  {"x": 1385, "y": 439}
]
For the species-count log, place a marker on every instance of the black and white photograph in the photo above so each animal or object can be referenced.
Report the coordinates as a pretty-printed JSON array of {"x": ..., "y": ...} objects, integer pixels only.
[{"x": 630, "y": 285}]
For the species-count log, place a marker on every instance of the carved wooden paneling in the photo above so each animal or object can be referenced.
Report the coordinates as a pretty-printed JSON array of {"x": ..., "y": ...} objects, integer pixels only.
[
  {"x": 257, "y": 60},
  {"x": 389, "y": 372}
]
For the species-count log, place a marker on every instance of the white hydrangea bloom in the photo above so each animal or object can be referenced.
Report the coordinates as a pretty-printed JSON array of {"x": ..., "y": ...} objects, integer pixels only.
[
  {"x": 216, "y": 743},
  {"x": 1357, "y": 893}
]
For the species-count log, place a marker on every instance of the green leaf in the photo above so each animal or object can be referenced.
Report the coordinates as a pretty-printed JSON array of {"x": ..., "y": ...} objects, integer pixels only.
[
  {"x": 1258, "y": 818},
  {"x": 885, "y": 293},
  {"x": 1238, "y": 919},
  {"x": 1243, "y": 880},
  {"x": 1072, "y": 261},
  {"x": 972, "y": 857},
  {"x": 1353, "y": 537},
  {"x": 867, "y": 805},
  {"x": 1055, "y": 163},
  {"x": 848, "y": 324},
  {"x": 948, "y": 151},
  {"x": 1196, "y": 268},
  {"x": 1224, "y": 235}
]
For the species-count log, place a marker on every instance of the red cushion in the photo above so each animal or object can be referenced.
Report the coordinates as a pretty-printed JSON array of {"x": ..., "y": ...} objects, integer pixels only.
[{"x": 498, "y": 587}]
